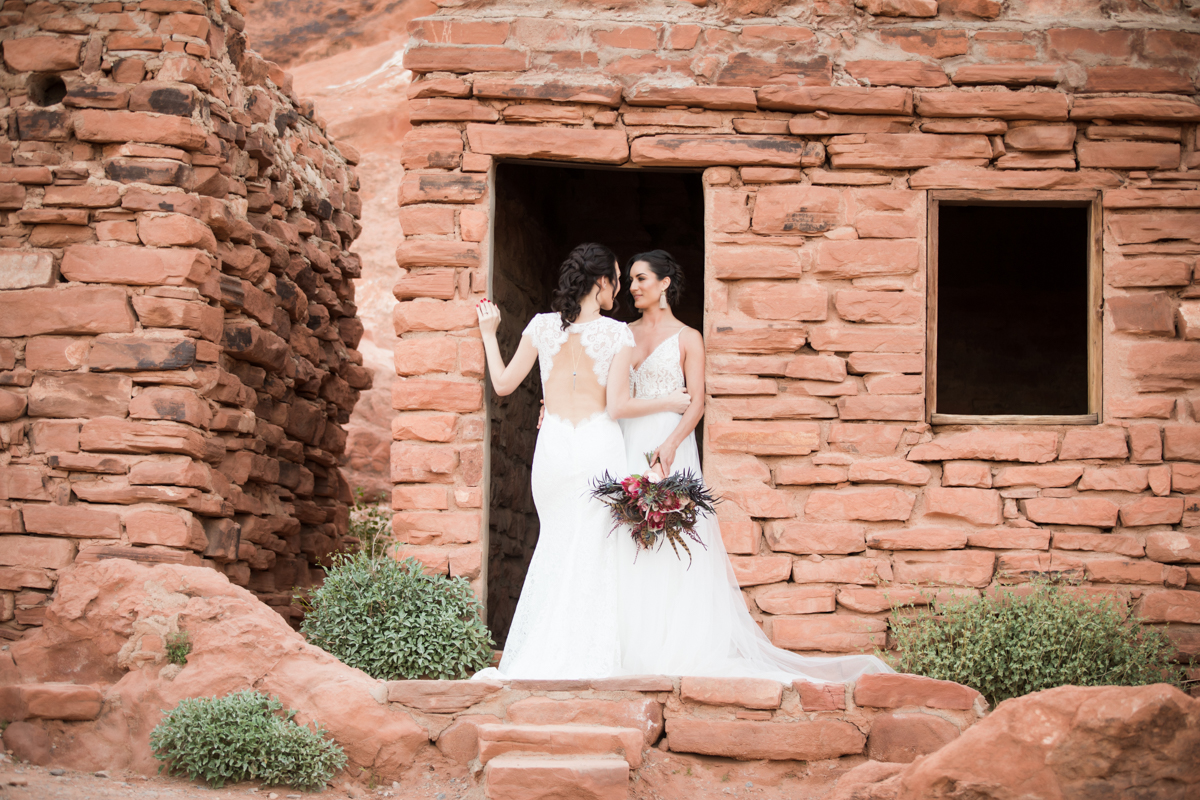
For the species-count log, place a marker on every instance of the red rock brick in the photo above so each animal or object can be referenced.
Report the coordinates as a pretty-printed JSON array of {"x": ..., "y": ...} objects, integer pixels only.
[
  {"x": 549, "y": 143},
  {"x": 756, "y": 570},
  {"x": 854, "y": 569},
  {"x": 438, "y": 148},
  {"x": 1072, "y": 42},
  {"x": 1187, "y": 318},
  {"x": 967, "y": 473},
  {"x": 918, "y": 539},
  {"x": 1002, "y": 105},
  {"x": 881, "y": 407},
  {"x": 718, "y": 98},
  {"x": 898, "y": 73},
  {"x": 79, "y": 395},
  {"x": 874, "y": 440},
  {"x": 81, "y": 522},
  {"x": 414, "y": 394},
  {"x": 1128, "y": 155},
  {"x": 816, "y": 368},
  {"x": 418, "y": 463},
  {"x": 1010, "y": 539},
  {"x": 809, "y": 740},
  {"x": 1041, "y": 138},
  {"x": 880, "y": 690},
  {"x": 1135, "y": 108},
  {"x": 421, "y": 316},
  {"x": 1152, "y": 511},
  {"x": 1100, "y": 543},
  {"x": 902, "y": 738},
  {"x": 674, "y": 150},
  {"x": 821, "y": 696},
  {"x": 1155, "y": 227},
  {"x": 1185, "y": 478},
  {"x": 731, "y": 214},
  {"x": 1135, "y": 79},
  {"x": 421, "y": 356},
  {"x": 442, "y": 188},
  {"x": 826, "y": 633},
  {"x": 64, "y": 310},
  {"x": 1120, "y": 570},
  {"x": 953, "y": 568},
  {"x": 454, "y": 58},
  {"x": 804, "y": 538},
  {"x": 874, "y": 505},
  {"x": 861, "y": 258},
  {"x": 989, "y": 445},
  {"x": 783, "y": 301},
  {"x": 36, "y": 552},
  {"x": 805, "y": 475},
  {"x": 796, "y": 600},
  {"x": 440, "y": 109},
  {"x": 841, "y": 124},
  {"x": 135, "y": 265},
  {"x": 42, "y": 54},
  {"x": 1100, "y": 442},
  {"x": 112, "y": 435},
  {"x": 1171, "y": 606},
  {"x": 94, "y": 125},
  {"x": 160, "y": 525},
  {"x": 1116, "y": 479},
  {"x": 21, "y": 482},
  {"x": 796, "y": 209},
  {"x": 1156, "y": 366},
  {"x": 436, "y": 528},
  {"x": 557, "y": 88},
  {"x": 59, "y": 701},
  {"x": 907, "y": 150},
  {"x": 1092, "y": 511},
  {"x": 901, "y": 308},
  {"x": 737, "y": 262},
  {"x": 744, "y": 692},
  {"x": 459, "y": 31},
  {"x": 784, "y": 406},
  {"x": 841, "y": 100},
  {"x": 861, "y": 363},
  {"x": 1173, "y": 547},
  {"x": 979, "y": 506},
  {"x": 761, "y": 501},
  {"x": 764, "y": 438},
  {"x": 1010, "y": 74},
  {"x": 180, "y": 405},
  {"x": 927, "y": 42},
  {"x": 430, "y": 253},
  {"x": 1148, "y": 272}
]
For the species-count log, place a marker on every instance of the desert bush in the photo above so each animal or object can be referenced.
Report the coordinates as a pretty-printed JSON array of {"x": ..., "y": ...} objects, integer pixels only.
[
  {"x": 371, "y": 525},
  {"x": 393, "y": 621},
  {"x": 178, "y": 646},
  {"x": 244, "y": 736},
  {"x": 1007, "y": 645}
]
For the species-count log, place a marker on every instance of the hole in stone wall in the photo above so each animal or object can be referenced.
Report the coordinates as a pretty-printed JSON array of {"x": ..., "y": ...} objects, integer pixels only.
[
  {"x": 1012, "y": 310},
  {"x": 541, "y": 213},
  {"x": 46, "y": 90}
]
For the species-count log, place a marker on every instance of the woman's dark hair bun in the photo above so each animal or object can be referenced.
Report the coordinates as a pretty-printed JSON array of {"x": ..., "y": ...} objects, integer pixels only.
[
  {"x": 583, "y": 269},
  {"x": 663, "y": 265}
]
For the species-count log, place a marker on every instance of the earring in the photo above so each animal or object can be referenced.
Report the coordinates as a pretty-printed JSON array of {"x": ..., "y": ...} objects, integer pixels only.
[{"x": 662, "y": 300}]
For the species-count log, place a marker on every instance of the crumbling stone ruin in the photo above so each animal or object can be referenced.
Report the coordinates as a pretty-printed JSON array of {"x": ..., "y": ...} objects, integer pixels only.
[
  {"x": 948, "y": 285},
  {"x": 177, "y": 318}
]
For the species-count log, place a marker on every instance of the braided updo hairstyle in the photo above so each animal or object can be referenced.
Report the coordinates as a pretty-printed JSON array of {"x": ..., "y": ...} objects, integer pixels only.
[
  {"x": 583, "y": 269},
  {"x": 663, "y": 265}
]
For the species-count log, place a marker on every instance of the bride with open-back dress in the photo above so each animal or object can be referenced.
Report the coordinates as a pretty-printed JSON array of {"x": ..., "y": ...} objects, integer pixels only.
[
  {"x": 676, "y": 617},
  {"x": 566, "y": 623}
]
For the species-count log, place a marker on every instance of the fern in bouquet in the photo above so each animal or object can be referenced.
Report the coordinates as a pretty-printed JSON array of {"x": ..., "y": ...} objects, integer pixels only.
[{"x": 657, "y": 509}]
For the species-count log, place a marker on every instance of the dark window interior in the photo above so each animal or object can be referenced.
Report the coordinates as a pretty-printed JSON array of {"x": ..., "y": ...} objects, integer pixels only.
[
  {"x": 1012, "y": 321},
  {"x": 541, "y": 213}
]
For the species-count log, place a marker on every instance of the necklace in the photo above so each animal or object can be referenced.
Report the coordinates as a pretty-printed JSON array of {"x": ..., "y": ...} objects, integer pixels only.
[{"x": 575, "y": 364}]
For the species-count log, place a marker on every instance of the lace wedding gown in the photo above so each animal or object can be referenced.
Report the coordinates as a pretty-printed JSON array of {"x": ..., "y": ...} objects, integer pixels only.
[
  {"x": 677, "y": 620},
  {"x": 565, "y": 624}
]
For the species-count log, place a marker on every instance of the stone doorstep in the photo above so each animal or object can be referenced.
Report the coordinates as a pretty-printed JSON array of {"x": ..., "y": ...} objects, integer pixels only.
[
  {"x": 520, "y": 777},
  {"x": 561, "y": 740}
]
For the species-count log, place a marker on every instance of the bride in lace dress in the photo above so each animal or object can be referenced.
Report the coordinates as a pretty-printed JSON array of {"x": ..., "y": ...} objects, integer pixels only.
[
  {"x": 676, "y": 619},
  {"x": 566, "y": 621}
]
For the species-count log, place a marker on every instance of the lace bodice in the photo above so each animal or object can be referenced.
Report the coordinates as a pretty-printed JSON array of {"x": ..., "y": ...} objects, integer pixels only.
[
  {"x": 601, "y": 338},
  {"x": 661, "y": 373}
]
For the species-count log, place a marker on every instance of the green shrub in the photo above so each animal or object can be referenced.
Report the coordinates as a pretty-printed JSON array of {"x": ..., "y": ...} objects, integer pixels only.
[
  {"x": 1008, "y": 645},
  {"x": 371, "y": 524},
  {"x": 241, "y": 737},
  {"x": 178, "y": 646},
  {"x": 393, "y": 621}
]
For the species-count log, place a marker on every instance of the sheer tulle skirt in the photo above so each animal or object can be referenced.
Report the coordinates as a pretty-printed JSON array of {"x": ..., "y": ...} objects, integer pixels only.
[
  {"x": 565, "y": 624},
  {"x": 677, "y": 619}
]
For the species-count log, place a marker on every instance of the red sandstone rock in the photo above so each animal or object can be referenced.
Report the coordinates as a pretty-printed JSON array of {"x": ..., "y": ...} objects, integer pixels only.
[
  {"x": 809, "y": 740},
  {"x": 63, "y": 701},
  {"x": 706, "y": 150},
  {"x": 549, "y": 143},
  {"x": 1003, "y": 105},
  {"x": 78, "y": 521},
  {"x": 1072, "y": 511},
  {"x": 826, "y": 633},
  {"x": 547, "y": 779},
  {"x": 907, "y": 150},
  {"x": 1135, "y": 108},
  {"x": 882, "y": 690},
  {"x": 764, "y": 438},
  {"x": 720, "y": 98},
  {"x": 453, "y": 58},
  {"x": 42, "y": 54},
  {"x": 791, "y": 536},
  {"x": 1152, "y": 511},
  {"x": 989, "y": 445},
  {"x": 841, "y": 570},
  {"x": 953, "y": 568},
  {"x": 918, "y": 539},
  {"x": 36, "y": 552},
  {"x": 757, "y": 570},
  {"x": 1171, "y": 606},
  {"x": 979, "y": 506},
  {"x": 1173, "y": 547},
  {"x": 132, "y": 126},
  {"x": 732, "y": 263},
  {"x": 796, "y": 210},
  {"x": 841, "y": 100},
  {"x": 744, "y": 692},
  {"x": 644, "y": 713},
  {"x": 560, "y": 740},
  {"x": 859, "y": 504},
  {"x": 440, "y": 697},
  {"x": 885, "y": 307},
  {"x": 861, "y": 258},
  {"x": 796, "y": 600},
  {"x": 901, "y": 738},
  {"x": 898, "y": 73}
]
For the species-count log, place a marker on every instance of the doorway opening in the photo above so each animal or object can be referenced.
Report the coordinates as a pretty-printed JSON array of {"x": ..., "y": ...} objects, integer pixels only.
[
  {"x": 541, "y": 213},
  {"x": 1012, "y": 327}
]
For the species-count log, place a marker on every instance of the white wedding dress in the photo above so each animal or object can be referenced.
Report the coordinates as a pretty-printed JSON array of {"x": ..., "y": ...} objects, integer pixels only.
[
  {"x": 681, "y": 620},
  {"x": 566, "y": 624}
]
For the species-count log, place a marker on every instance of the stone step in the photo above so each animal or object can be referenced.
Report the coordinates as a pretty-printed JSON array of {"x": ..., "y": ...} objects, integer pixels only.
[
  {"x": 521, "y": 777},
  {"x": 561, "y": 740}
]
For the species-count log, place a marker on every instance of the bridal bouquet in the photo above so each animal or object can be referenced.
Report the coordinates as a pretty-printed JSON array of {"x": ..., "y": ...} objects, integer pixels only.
[{"x": 657, "y": 508}]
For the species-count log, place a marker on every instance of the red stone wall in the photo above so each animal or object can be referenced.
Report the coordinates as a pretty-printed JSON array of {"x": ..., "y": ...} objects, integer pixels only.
[
  {"x": 177, "y": 317},
  {"x": 821, "y": 128}
]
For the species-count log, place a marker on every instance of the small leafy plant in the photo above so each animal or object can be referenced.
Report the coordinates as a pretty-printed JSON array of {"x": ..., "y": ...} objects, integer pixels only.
[
  {"x": 371, "y": 524},
  {"x": 393, "y": 621},
  {"x": 179, "y": 644},
  {"x": 1006, "y": 645},
  {"x": 244, "y": 736}
]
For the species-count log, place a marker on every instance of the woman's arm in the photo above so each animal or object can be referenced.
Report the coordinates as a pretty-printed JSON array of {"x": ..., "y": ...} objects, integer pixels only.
[
  {"x": 691, "y": 343},
  {"x": 622, "y": 406},
  {"x": 505, "y": 378}
]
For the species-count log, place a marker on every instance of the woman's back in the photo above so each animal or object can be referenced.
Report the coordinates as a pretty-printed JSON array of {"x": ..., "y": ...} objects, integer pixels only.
[{"x": 575, "y": 363}]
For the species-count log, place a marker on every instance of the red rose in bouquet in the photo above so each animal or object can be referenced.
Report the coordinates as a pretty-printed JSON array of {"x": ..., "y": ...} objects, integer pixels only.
[{"x": 657, "y": 509}]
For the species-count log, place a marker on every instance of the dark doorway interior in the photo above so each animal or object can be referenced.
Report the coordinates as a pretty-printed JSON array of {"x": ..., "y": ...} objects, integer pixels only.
[
  {"x": 541, "y": 213},
  {"x": 1012, "y": 316}
]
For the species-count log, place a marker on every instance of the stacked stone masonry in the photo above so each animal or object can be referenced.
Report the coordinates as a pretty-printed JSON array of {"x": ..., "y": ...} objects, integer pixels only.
[
  {"x": 821, "y": 129},
  {"x": 177, "y": 318}
]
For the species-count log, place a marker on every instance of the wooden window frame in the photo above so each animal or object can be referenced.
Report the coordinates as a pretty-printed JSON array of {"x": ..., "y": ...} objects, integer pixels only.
[{"x": 1090, "y": 200}]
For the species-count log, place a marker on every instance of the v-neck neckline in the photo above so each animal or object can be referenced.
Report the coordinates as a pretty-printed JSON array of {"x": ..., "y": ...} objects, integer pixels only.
[{"x": 656, "y": 349}]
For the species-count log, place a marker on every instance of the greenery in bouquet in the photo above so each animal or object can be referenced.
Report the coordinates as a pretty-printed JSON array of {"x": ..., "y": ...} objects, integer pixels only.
[{"x": 657, "y": 509}]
